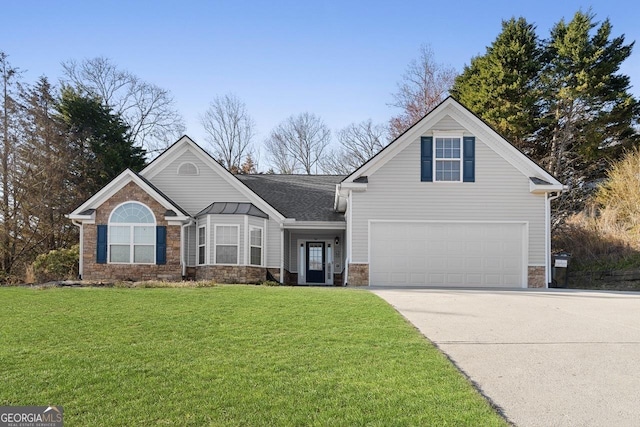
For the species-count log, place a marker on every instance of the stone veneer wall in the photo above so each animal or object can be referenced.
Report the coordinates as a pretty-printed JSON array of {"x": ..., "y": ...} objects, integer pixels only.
[
  {"x": 358, "y": 275},
  {"x": 94, "y": 271},
  {"x": 231, "y": 273},
  {"x": 536, "y": 277}
]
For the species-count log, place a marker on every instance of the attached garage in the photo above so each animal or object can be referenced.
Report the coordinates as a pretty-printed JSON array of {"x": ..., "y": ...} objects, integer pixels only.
[{"x": 464, "y": 254}]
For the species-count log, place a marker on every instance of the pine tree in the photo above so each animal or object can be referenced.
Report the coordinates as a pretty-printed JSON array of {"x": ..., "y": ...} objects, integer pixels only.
[{"x": 501, "y": 86}]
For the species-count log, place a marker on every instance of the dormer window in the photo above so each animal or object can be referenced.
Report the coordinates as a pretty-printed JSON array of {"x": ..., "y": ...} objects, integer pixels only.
[{"x": 447, "y": 157}]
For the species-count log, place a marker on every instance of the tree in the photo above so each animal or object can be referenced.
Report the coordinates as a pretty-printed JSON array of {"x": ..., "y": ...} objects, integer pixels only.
[
  {"x": 10, "y": 137},
  {"x": 298, "y": 143},
  {"x": 229, "y": 130},
  {"x": 358, "y": 143},
  {"x": 147, "y": 109},
  {"x": 424, "y": 85},
  {"x": 100, "y": 141},
  {"x": 590, "y": 113},
  {"x": 248, "y": 166},
  {"x": 503, "y": 85}
]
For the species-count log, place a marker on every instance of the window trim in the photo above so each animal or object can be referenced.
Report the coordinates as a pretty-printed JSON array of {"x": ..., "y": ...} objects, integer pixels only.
[
  {"x": 132, "y": 243},
  {"x": 202, "y": 245},
  {"x": 251, "y": 245},
  {"x": 215, "y": 243},
  {"x": 460, "y": 160}
]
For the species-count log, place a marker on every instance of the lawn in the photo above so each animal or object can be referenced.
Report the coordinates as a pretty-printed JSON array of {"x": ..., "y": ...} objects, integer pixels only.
[{"x": 227, "y": 355}]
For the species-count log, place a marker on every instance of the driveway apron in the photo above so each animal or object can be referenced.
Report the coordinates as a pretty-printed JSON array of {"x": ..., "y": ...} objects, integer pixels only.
[{"x": 544, "y": 357}]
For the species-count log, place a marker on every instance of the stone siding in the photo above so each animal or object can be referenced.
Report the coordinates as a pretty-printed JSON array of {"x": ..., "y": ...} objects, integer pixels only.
[
  {"x": 358, "y": 275},
  {"x": 536, "y": 277},
  {"x": 231, "y": 273},
  {"x": 94, "y": 271}
]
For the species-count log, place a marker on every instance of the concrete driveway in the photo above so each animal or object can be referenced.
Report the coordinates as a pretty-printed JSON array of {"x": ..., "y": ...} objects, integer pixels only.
[{"x": 544, "y": 357}]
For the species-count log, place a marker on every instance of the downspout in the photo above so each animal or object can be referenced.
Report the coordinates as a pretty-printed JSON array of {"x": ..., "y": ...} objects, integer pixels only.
[
  {"x": 183, "y": 249},
  {"x": 81, "y": 252},
  {"x": 547, "y": 242},
  {"x": 282, "y": 253}
]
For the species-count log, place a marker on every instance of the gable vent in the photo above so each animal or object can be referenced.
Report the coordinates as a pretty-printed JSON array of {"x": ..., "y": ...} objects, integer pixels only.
[{"x": 188, "y": 169}]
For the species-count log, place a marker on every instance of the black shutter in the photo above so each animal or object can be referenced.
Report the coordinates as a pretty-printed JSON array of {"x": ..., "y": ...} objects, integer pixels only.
[
  {"x": 426, "y": 159},
  {"x": 101, "y": 246},
  {"x": 469, "y": 159},
  {"x": 161, "y": 244}
]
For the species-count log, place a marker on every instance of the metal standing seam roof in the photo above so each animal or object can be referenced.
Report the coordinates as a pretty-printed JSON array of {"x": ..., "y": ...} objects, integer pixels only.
[
  {"x": 233, "y": 208},
  {"x": 302, "y": 197}
]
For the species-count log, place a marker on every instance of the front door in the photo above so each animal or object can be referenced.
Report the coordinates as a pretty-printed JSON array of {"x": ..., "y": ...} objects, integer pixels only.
[{"x": 315, "y": 262}]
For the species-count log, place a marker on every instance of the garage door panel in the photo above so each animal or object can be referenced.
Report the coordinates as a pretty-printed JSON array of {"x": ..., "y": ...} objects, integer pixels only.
[{"x": 447, "y": 254}]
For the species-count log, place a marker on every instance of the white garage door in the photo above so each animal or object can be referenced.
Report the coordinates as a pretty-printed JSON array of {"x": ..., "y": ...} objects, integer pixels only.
[{"x": 447, "y": 254}]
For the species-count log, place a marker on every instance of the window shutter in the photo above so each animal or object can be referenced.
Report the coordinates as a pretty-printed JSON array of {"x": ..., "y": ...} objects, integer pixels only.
[
  {"x": 161, "y": 244},
  {"x": 426, "y": 158},
  {"x": 469, "y": 160},
  {"x": 101, "y": 245}
]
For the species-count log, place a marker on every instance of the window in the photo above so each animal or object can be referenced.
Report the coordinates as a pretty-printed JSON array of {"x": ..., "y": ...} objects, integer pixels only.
[
  {"x": 202, "y": 239},
  {"x": 448, "y": 159},
  {"x": 255, "y": 244},
  {"x": 226, "y": 244},
  {"x": 132, "y": 234}
]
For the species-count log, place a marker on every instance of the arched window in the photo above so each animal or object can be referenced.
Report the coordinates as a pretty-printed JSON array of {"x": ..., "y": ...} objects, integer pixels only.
[{"x": 132, "y": 234}]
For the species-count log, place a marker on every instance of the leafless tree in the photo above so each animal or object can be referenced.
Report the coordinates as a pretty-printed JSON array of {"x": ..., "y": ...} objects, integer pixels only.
[
  {"x": 229, "y": 129},
  {"x": 358, "y": 143},
  {"x": 148, "y": 109},
  {"x": 424, "y": 85},
  {"x": 298, "y": 143}
]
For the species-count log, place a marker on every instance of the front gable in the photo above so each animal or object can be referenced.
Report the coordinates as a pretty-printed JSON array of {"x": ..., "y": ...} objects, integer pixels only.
[
  {"x": 450, "y": 117},
  {"x": 191, "y": 177}
]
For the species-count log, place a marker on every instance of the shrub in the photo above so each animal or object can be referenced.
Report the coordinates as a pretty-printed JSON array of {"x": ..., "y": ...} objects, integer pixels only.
[{"x": 58, "y": 264}]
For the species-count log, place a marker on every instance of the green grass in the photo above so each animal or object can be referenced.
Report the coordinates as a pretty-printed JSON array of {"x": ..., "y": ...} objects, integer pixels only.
[{"x": 229, "y": 355}]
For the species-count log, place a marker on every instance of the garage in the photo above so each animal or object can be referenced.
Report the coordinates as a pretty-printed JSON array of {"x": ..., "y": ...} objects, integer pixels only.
[{"x": 465, "y": 254}]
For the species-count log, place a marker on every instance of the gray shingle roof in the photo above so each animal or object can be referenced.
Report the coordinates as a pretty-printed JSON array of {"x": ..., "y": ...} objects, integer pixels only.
[{"x": 303, "y": 197}]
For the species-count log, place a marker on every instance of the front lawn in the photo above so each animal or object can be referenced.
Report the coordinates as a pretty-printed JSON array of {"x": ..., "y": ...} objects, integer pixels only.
[{"x": 228, "y": 355}]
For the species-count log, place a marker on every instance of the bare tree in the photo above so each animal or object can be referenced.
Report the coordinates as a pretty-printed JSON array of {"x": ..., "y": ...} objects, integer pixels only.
[
  {"x": 229, "y": 130},
  {"x": 148, "y": 109},
  {"x": 424, "y": 85},
  {"x": 298, "y": 143},
  {"x": 358, "y": 143}
]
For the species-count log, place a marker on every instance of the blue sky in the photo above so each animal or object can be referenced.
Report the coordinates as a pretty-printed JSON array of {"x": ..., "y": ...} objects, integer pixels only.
[{"x": 338, "y": 59}]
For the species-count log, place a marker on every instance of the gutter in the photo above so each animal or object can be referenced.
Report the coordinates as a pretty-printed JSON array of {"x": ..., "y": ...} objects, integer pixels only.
[
  {"x": 80, "y": 251},
  {"x": 547, "y": 227}
]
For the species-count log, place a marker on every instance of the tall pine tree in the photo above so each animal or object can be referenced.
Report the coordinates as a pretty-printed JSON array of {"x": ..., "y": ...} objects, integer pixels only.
[{"x": 502, "y": 85}]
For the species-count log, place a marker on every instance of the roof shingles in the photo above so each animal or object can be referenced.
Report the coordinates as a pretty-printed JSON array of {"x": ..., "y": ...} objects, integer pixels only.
[{"x": 303, "y": 197}]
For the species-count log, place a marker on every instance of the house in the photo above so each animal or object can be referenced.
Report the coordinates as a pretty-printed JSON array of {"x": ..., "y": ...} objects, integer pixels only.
[{"x": 448, "y": 203}]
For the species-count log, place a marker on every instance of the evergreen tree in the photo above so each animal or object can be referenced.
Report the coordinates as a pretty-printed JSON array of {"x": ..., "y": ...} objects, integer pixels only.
[
  {"x": 501, "y": 86},
  {"x": 100, "y": 140},
  {"x": 590, "y": 113}
]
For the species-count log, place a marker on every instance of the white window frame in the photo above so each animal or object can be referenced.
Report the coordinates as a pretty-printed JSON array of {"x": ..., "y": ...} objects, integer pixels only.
[
  {"x": 215, "y": 243},
  {"x": 202, "y": 245},
  {"x": 251, "y": 245},
  {"x": 132, "y": 244},
  {"x": 442, "y": 135}
]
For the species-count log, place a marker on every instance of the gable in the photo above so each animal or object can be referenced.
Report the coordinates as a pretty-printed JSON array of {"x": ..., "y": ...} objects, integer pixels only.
[
  {"x": 191, "y": 177},
  {"x": 450, "y": 115}
]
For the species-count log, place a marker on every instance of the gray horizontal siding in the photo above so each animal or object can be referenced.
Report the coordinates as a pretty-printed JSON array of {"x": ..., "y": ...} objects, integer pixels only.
[
  {"x": 500, "y": 193},
  {"x": 194, "y": 193}
]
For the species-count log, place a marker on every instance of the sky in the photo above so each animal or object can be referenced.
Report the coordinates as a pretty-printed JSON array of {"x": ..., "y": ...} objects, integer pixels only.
[{"x": 341, "y": 60}]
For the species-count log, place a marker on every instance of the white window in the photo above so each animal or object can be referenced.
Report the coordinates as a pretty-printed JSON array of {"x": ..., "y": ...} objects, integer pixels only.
[
  {"x": 132, "y": 234},
  {"x": 255, "y": 245},
  {"x": 227, "y": 244},
  {"x": 202, "y": 240},
  {"x": 448, "y": 159},
  {"x": 188, "y": 169}
]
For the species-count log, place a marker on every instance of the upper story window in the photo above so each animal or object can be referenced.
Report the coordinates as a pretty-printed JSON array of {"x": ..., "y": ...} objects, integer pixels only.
[
  {"x": 132, "y": 234},
  {"x": 448, "y": 158},
  {"x": 188, "y": 169}
]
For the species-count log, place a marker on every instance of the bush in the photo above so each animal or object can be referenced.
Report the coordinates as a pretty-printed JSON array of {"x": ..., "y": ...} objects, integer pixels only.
[{"x": 58, "y": 264}]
